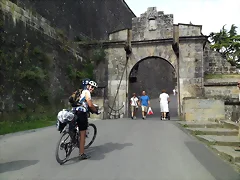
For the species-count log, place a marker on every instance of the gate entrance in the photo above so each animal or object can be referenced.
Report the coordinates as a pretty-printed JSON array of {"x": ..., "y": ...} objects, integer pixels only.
[
  {"x": 154, "y": 38},
  {"x": 153, "y": 74}
]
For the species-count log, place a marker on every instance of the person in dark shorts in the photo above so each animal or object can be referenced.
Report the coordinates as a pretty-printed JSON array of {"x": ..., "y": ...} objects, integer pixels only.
[{"x": 84, "y": 103}]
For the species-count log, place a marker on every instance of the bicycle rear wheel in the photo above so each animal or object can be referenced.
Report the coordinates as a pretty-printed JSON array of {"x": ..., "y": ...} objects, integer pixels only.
[
  {"x": 67, "y": 147},
  {"x": 90, "y": 135}
]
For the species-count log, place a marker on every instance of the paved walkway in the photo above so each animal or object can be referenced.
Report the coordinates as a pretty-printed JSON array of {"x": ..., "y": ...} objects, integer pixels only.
[{"x": 124, "y": 150}]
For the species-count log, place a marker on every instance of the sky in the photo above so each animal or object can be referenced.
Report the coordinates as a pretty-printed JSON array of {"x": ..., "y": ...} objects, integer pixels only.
[{"x": 211, "y": 14}]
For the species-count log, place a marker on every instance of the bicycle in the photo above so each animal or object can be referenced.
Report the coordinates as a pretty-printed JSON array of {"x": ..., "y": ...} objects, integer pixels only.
[{"x": 70, "y": 128}]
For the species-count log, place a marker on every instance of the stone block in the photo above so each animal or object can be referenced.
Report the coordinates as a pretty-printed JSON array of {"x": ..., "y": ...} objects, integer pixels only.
[
  {"x": 203, "y": 109},
  {"x": 119, "y": 36},
  {"x": 221, "y": 91}
]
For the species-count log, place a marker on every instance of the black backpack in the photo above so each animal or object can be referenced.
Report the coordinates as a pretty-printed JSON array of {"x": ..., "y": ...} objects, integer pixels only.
[{"x": 74, "y": 98}]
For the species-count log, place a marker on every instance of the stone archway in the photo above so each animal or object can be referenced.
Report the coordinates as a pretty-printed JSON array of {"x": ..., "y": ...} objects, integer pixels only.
[
  {"x": 153, "y": 34},
  {"x": 153, "y": 74}
]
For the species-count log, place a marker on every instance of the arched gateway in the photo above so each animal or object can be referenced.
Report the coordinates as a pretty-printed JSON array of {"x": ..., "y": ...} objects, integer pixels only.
[{"x": 153, "y": 34}]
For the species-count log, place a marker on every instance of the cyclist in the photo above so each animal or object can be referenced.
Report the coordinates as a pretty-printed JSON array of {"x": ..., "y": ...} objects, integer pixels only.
[{"x": 84, "y": 103}]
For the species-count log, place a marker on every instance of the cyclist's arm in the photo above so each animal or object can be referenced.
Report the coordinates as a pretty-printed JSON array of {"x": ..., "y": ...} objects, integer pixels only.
[{"x": 89, "y": 101}]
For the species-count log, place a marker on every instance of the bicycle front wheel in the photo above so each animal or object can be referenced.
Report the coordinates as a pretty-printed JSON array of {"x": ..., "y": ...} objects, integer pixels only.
[
  {"x": 65, "y": 145},
  {"x": 91, "y": 134}
]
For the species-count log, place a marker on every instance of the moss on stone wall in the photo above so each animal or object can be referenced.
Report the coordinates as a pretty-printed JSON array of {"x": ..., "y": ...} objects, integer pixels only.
[
  {"x": 39, "y": 72},
  {"x": 221, "y": 76},
  {"x": 33, "y": 72}
]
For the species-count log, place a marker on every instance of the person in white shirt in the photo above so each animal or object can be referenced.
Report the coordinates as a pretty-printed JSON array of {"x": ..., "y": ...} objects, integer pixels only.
[
  {"x": 134, "y": 105},
  {"x": 238, "y": 85},
  {"x": 164, "y": 100},
  {"x": 174, "y": 92}
]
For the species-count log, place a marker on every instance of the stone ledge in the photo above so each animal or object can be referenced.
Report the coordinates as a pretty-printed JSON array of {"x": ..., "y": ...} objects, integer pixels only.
[
  {"x": 214, "y": 131},
  {"x": 36, "y": 21},
  {"x": 232, "y": 125},
  {"x": 234, "y": 156},
  {"x": 232, "y": 102},
  {"x": 220, "y": 140},
  {"x": 220, "y": 84},
  {"x": 201, "y": 124}
]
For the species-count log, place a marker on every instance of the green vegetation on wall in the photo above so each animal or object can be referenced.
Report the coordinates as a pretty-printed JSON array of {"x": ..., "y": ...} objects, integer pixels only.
[
  {"x": 93, "y": 58},
  {"x": 37, "y": 74},
  {"x": 227, "y": 43}
]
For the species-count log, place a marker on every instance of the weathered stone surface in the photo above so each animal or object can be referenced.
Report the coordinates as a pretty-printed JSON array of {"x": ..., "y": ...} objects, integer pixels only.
[
  {"x": 214, "y": 131},
  {"x": 36, "y": 53},
  {"x": 215, "y": 64},
  {"x": 152, "y": 25},
  {"x": 152, "y": 36},
  {"x": 34, "y": 20},
  {"x": 203, "y": 109},
  {"x": 232, "y": 112},
  {"x": 221, "y": 140},
  {"x": 89, "y": 19},
  {"x": 224, "y": 92},
  {"x": 229, "y": 151},
  {"x": 189, "y": 30},
  {"x": 119, "y": 35}
]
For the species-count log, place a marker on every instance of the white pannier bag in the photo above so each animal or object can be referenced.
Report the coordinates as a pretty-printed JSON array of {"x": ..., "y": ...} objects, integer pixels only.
[
  {"x": 65, "y": 115},
  {"x": 62, "y": 117}
]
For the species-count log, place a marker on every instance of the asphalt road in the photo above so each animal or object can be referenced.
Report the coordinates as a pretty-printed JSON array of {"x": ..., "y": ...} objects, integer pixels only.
[{"x": 124, "y": 149}]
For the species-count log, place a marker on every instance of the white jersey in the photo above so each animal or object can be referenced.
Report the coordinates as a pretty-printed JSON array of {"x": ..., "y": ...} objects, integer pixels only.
[
  {"x": 84, "y": 105},
  {"x": 134, "y": 101},
  {"x": 163, "y": 98}
]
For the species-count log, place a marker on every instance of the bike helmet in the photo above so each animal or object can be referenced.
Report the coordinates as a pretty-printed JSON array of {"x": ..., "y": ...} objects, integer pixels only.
[
  {"x": 85, "y": 82},
  {"x": 93, "y": 83}
]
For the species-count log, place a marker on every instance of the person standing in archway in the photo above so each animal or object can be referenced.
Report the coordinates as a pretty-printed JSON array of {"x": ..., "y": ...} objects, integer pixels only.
[
  {"x": 174, "y": 91},
  {"x": 134, "y": 105},
  {"x": 164, "y": 100},
  {"x": 144, "y": 103}
]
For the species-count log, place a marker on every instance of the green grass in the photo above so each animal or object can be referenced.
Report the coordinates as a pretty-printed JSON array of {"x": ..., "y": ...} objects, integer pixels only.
[
  {"x": 220, "y": 76},
  {"x": 11, "y": 126}
]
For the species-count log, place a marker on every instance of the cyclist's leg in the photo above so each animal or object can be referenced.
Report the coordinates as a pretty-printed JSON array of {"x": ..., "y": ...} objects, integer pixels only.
[{"x": 82, "y": 122}]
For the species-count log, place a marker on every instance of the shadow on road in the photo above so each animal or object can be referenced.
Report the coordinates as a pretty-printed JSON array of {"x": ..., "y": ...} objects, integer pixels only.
[
  {"x": 16, "y": 165},
  {"x": 98, "y": 152},
  {"x": 212, "y": 162}
]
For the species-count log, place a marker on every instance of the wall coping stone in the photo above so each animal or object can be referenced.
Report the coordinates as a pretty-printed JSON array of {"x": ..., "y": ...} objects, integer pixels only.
[
  {"x": 143, "y": 42},
  {"x": 220, "y": 84},
  {"x": 233, "y": 101}
]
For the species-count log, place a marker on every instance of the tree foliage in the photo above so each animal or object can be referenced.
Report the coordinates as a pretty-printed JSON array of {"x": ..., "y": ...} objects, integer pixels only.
[{"x": 227, "y": 43}]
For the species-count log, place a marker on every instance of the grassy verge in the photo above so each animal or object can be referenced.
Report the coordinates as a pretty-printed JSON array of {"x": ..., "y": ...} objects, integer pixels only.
[
  {"x": 11, "y": 127},
  {"x": 26, "y": 121}
]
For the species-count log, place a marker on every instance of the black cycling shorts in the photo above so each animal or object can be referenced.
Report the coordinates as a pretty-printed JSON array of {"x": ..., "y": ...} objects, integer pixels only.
[{"x": 82, "y": 120}]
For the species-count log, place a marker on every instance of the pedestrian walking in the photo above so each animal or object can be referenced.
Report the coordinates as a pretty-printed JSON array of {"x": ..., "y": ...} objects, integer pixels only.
[
  {"x": 164, "y": 101},
  {"x": 134, "y": 105},
  {"x": 144, "y": 103}
]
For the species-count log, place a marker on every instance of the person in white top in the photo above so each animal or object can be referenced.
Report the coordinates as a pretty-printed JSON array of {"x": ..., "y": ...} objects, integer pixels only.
[
  {"x": 164, "y": 100},
  {"x": 134, "y": 105},
  {"x": 174, "y": 92},
  {"x": 238, "y": 85},
  {"x": 83, "y": 105}
]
